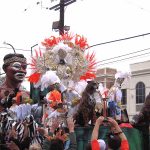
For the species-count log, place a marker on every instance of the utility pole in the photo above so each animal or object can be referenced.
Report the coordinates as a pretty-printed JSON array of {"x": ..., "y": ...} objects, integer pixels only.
[
  {"x": 60, "y": 7},
  {"x": 61, "y": 19}
]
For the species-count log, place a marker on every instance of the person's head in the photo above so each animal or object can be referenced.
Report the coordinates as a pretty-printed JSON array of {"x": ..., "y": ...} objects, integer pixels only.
[
  {"x": 145, "y": 111},
  {"x": 15, "y": 67},
  {"x": 147, "y": 100},
  {"x": 120, "y": 80},
  {"x": 56, "y": 144},
  {"x": 114, "y": 141},
  {"x": 101, "y": 145},
  {"x": 35, "y": 146},
  {"x": 62, "y": 130},
  {"x": 121, "y": 76}
]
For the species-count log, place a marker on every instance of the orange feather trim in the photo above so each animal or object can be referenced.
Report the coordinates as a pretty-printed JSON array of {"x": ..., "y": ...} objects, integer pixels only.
[
  {"x": 88, "y": 75},
  {"x": 34, "y": 78},
  {"x": 55, "y": 97},
  {"x": 18, "y": 98}
]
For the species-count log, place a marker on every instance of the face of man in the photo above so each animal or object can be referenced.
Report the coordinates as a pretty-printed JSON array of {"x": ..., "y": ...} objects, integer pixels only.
[
  {"x": 16, "y": 71},
  {"x": 120, "y": 80}
]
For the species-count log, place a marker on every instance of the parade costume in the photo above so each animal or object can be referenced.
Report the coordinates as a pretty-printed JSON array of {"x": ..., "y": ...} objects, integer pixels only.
[
  {"x": 67, "y": 56},
  {"x": 73, "y": 64},
  {"x": 115, "y": 95},
  {"x": 15, "y": 103},
  {"x": 15, "y": 69}
]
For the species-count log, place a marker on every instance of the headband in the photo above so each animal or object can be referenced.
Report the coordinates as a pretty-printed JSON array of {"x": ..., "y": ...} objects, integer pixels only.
[{"x": 14, "y": 59}]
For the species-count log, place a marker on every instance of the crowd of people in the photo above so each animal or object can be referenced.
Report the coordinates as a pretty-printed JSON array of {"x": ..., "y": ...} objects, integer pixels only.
[
  {"x": 24, "y": 132},
  {"x": 28, "y": 126}
]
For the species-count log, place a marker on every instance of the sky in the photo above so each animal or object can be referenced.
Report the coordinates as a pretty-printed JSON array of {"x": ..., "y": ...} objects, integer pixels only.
[{"x": 24, "y": 24}]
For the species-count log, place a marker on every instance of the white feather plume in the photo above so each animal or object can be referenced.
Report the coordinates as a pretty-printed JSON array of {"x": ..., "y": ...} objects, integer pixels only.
[{"x": 49, "y": 78}]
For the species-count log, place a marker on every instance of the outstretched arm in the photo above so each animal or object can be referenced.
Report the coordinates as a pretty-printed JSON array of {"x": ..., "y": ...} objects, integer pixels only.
[
  {"x": 72, "y": 136},
  {"x": 95, "y": 132},
  {"x": 116, "y": 129}
]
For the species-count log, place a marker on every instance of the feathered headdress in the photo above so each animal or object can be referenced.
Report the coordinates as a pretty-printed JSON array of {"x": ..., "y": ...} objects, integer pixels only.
[
  {"x": 67, "y": 55},
  {"x": 120, "y": 74}
]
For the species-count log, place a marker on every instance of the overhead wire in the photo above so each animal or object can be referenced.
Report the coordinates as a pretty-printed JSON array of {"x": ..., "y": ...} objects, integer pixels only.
[
  {"x": 142, "y": 50},
  {"x": 122, "y": 39},
  {"x": 123, "y": 59},
  {"x": 18, "y": 49}
]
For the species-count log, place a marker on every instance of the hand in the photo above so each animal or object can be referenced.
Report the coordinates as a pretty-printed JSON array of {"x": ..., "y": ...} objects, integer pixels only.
[
  {"x": 12, "y": 146},
  {"x": 70, "y": 123},
  {"x": 112, "y": 122},
  {"x": 116, "y": 128},
  {"x": 42, "y": 131}
]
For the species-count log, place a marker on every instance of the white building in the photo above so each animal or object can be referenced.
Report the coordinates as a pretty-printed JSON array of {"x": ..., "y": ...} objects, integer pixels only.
[{"x": 137, "y": 87}]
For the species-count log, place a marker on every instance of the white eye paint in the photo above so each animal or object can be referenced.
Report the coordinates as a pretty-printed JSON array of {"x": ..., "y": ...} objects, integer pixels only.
[{"x": 16, "y": 66}]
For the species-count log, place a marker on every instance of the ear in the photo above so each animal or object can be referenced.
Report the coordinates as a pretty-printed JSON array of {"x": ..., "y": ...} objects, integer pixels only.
[
  {"x": 89, "y": 82},
  {"x": 5, "y": 68}
]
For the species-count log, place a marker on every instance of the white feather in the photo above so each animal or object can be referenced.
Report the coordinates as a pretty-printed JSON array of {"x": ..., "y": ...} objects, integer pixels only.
[
  {"x": 49, "y": 78},
  {"x": 61, "y": 46}
]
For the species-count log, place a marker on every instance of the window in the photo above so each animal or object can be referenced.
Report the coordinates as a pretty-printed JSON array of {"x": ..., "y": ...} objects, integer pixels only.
[
  {"x": 124, "y": 96},
  {"x": 140, "y": 92}
]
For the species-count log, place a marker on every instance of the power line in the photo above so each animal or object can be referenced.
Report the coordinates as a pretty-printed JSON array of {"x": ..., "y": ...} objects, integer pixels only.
[
  {"x": 124, "y": 55},
  {"x": 131, "y": 37},
  {"x": 123, "y": 59},
  {"x": 19, "y": 49}
]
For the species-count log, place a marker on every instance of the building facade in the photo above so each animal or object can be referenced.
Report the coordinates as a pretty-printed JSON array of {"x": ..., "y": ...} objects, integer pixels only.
[
  {"x": 134, "y": 90},
  {"x": 138, "y": 86}
]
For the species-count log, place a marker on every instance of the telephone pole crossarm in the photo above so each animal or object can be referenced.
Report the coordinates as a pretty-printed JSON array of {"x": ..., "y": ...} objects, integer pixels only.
[{"x": 60, "y": 7}]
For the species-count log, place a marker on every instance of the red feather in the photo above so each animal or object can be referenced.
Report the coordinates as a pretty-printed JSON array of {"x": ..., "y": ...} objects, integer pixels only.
[
  {"x": 81, "y": 42},
  {"x": 66, "y": 37},
  {"x": 34, "y": 78},
  {"x": 50, "y": 42}
]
